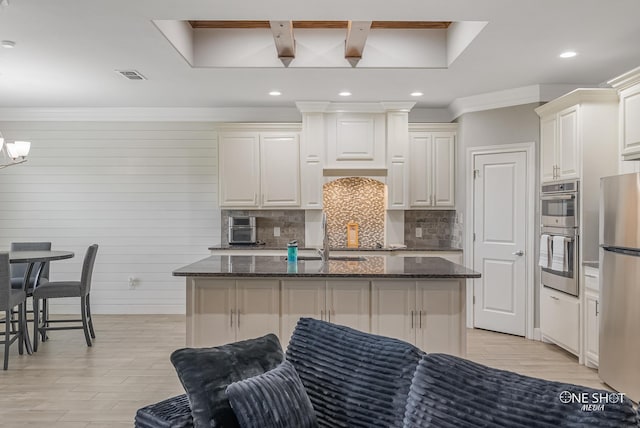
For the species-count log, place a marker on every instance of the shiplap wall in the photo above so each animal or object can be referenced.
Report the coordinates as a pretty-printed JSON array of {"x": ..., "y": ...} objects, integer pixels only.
[{"x": 146, "y": 192}]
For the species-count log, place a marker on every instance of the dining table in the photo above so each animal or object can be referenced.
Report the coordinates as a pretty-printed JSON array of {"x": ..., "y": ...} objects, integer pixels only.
[{"x": 35, "y": 260}]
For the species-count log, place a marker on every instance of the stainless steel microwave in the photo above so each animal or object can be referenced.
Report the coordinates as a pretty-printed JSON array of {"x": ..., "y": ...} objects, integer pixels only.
[{"x": 242, "y": 230}]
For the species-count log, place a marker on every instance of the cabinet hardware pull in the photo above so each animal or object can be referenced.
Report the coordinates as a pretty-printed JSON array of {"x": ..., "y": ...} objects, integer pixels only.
[
  {"x": 554, "y": 297},
  {"x": 597, "y": 311},
  {"x": 329, "y": 312},
  {"x": 411, "y": 319},
  {"x": 321, "y": 314},
  {"x": 588, "y": 275},
  {"x": 238, "y": 318},
  {"x": 231, "y": 318},
  {"x": 420, "y": 318}
]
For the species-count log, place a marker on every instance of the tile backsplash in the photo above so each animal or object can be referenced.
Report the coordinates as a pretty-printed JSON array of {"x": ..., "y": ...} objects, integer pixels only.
[
  {"x": 355, "y": 199},
  {"x": 290, "y": 222},
  {"x": 439, "y": 228}
]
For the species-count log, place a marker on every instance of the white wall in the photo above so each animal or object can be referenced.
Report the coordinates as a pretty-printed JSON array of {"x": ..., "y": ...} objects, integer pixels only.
[{"x": 146, "y": 192}]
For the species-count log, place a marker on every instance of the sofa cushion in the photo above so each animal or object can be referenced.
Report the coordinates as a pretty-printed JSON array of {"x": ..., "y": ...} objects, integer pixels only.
[
  {"x": 205, "y": 373},
  {"x": 275, "y": 399},
  {"x": 448, "y": 391},
  {"x": 353, "y": 379}
]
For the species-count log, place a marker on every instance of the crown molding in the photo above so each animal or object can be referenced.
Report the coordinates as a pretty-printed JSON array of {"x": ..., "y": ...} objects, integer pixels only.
[
  {"x": 152, "y": 114},
  {"x": 330, "y": 107},
  {"x": 626, "y": 80},
  {"x": 582, "y": 95},
  {"x": 508, "y": 98}
]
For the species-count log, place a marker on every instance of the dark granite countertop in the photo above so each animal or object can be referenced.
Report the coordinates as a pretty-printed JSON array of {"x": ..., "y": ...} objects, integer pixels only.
[
  {"x": 264, "y": 247},
  {"x": 371, "y": 267}
]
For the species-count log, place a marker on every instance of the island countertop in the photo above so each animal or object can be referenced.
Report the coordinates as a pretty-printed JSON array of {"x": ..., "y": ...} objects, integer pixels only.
[{"x": 370, "y": 267}]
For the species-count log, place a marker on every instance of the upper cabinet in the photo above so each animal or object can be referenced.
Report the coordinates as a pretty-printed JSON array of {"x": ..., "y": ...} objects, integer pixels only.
[
  {"x": 432, "y": 165},
  {"x": 259, "y": 168},
  {"x": 355, "y": 140},
  {"x": 559, "y": 145},
  {"x": 578, "y": 134},
  {"x": 628, "y": 87}
]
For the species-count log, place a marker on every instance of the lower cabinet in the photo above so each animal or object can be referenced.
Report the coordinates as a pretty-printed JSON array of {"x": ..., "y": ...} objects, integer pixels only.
[
  {"x": 339, "y": 302},
  {"x": 429, "y": 314},
  {"x": 591, "y": 318},
  {"x": 560, "y": 319},
  {"x": 225, "y": 311}
]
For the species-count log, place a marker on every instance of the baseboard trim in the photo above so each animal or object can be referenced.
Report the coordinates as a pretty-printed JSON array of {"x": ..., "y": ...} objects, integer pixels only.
[{"x": 537, "y": 334}]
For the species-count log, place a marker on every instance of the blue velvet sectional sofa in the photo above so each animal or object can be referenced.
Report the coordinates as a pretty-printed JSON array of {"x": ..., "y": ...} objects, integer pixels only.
[{"x": 334, "y": 376}]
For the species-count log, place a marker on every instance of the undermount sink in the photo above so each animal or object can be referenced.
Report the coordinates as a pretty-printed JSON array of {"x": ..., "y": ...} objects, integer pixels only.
[{"x": 337, "y": 258}]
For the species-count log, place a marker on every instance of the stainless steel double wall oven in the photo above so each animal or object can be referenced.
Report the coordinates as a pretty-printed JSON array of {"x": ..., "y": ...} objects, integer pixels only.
[{"x": 560, "y": 207}]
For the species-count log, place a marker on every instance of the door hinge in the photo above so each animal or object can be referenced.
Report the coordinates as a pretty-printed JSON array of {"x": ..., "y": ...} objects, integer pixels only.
[
  {"x": 474, "y": 237},
  {"x": 474, "y": 299},
  {"x": 476, "y": 173}
]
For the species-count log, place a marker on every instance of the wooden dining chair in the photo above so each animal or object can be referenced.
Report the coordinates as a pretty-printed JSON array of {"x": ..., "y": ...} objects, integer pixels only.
[
  {"x": 9, "y": 299},
  {"x": 57, "y": 289}
]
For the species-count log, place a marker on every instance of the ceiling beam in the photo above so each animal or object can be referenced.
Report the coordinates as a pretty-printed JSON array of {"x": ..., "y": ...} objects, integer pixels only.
[
  {"x": 357, "y": 33},
  {"x": 285, "y": 43},
  {"x": 375, "y": 25}
]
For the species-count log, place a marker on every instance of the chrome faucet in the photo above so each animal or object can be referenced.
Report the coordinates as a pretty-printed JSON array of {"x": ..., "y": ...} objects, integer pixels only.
[{"x": 324, "y": 251}]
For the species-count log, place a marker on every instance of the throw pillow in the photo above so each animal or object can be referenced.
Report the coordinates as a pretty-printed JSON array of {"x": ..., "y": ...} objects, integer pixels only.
[
  {"x": 275, "y": 399},
  {"x": 205, "y": 373}
]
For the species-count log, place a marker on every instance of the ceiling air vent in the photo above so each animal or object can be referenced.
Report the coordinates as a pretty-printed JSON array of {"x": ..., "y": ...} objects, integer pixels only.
[{"x": 131, "y": 74}]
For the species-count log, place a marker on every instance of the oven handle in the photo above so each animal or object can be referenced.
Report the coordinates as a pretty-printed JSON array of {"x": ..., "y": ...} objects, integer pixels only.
[{"x": 557, "y": 197}]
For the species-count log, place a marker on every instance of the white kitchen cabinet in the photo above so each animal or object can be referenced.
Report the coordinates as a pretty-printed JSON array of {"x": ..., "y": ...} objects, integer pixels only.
[
  {"x": 259, "y": 169},
  {"x": 628, "y": 87},
  {"x": 578, "y": 132},
  {"x": 279, "y": 169},
  {"x": 239, "y": 168},
  {"x": 356, "y": 140},
  {"x": 431, "y": 169},
  {"x": 592, "y": 317},
  {"x": 232, "y": 310},
  {"x": 560, "y": 319},
  {"x": 429, "y": 314},
  {"x": 340, "y": 302}
]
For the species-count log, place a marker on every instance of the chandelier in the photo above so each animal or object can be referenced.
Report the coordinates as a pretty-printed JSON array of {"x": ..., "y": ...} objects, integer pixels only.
[{"x": 13, "y": 153}]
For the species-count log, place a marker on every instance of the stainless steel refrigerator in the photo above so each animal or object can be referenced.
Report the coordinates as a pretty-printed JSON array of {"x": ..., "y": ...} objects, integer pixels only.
[{"x": 619, "y": 355}]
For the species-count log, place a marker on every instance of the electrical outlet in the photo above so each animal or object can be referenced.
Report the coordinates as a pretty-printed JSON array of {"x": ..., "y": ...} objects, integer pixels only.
[
  {"x": 276, "y": 231},
  {"x": 418, "y": 232}
]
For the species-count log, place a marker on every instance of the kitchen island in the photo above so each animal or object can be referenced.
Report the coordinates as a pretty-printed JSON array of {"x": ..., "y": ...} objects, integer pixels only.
[{"x": 417, "y": 299}]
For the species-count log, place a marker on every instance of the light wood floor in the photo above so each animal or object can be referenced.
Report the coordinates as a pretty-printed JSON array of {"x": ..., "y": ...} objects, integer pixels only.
[{"x": 65, "y": 384}]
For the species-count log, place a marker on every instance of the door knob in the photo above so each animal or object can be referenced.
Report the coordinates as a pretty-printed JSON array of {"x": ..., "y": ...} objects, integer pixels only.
[{"x": 518, "y": 253}]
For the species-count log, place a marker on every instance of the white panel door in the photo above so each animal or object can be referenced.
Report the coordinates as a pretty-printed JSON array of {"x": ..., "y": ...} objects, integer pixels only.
[
  {"x": 239, "y": 169},
  {"x": 301, "y": 299},
  {"x": 393, "y": 307},
  {"x": 280, "y": 169},
  {"x": 355, "y": 137},
  {"x": 214, "y": 314},
  {"x": 348, "y": 304},
  {"x": 420, "y": 173},
  {"x": 443, "y": 169},
  {"x": 500, "y": 201},
  {"x": 568, "y": 150},
  {"x": 439, "y": 320},
  {"x": 258, "y": 311}
]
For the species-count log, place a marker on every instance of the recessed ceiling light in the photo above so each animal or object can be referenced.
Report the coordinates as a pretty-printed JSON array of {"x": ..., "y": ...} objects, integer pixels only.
[
  {"x": 345, "y": 94},
  {"x": 416, "y": 94},
  {"x": 275, "y": 93},
  {"x": 568, "y": 54},
  {"x": 8, "y": 44}
]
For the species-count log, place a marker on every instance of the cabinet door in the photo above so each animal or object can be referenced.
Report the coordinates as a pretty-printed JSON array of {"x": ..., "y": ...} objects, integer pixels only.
[
  {"x": 548, "y": 132},
  {"x": 440, "y": 322},
  {"x": 213, "y": 308},
  {"x": 420, "y": 172},
  {"x": 280, "y": 171},
  {"x": 443, "y": 169},
  {"x": 348, "y": 304},
  {"x": 239, "y": 169},
  {"x": 568, "y": 147},
  {"x": 393, "y": 309},
  {"x": 592, "y": 329},
  {"x": 560, "y": 319},
  {"x": 301, "y": 299},
  {"x": 258, "y": 308},
  {"x": 630, "y": 122}
]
